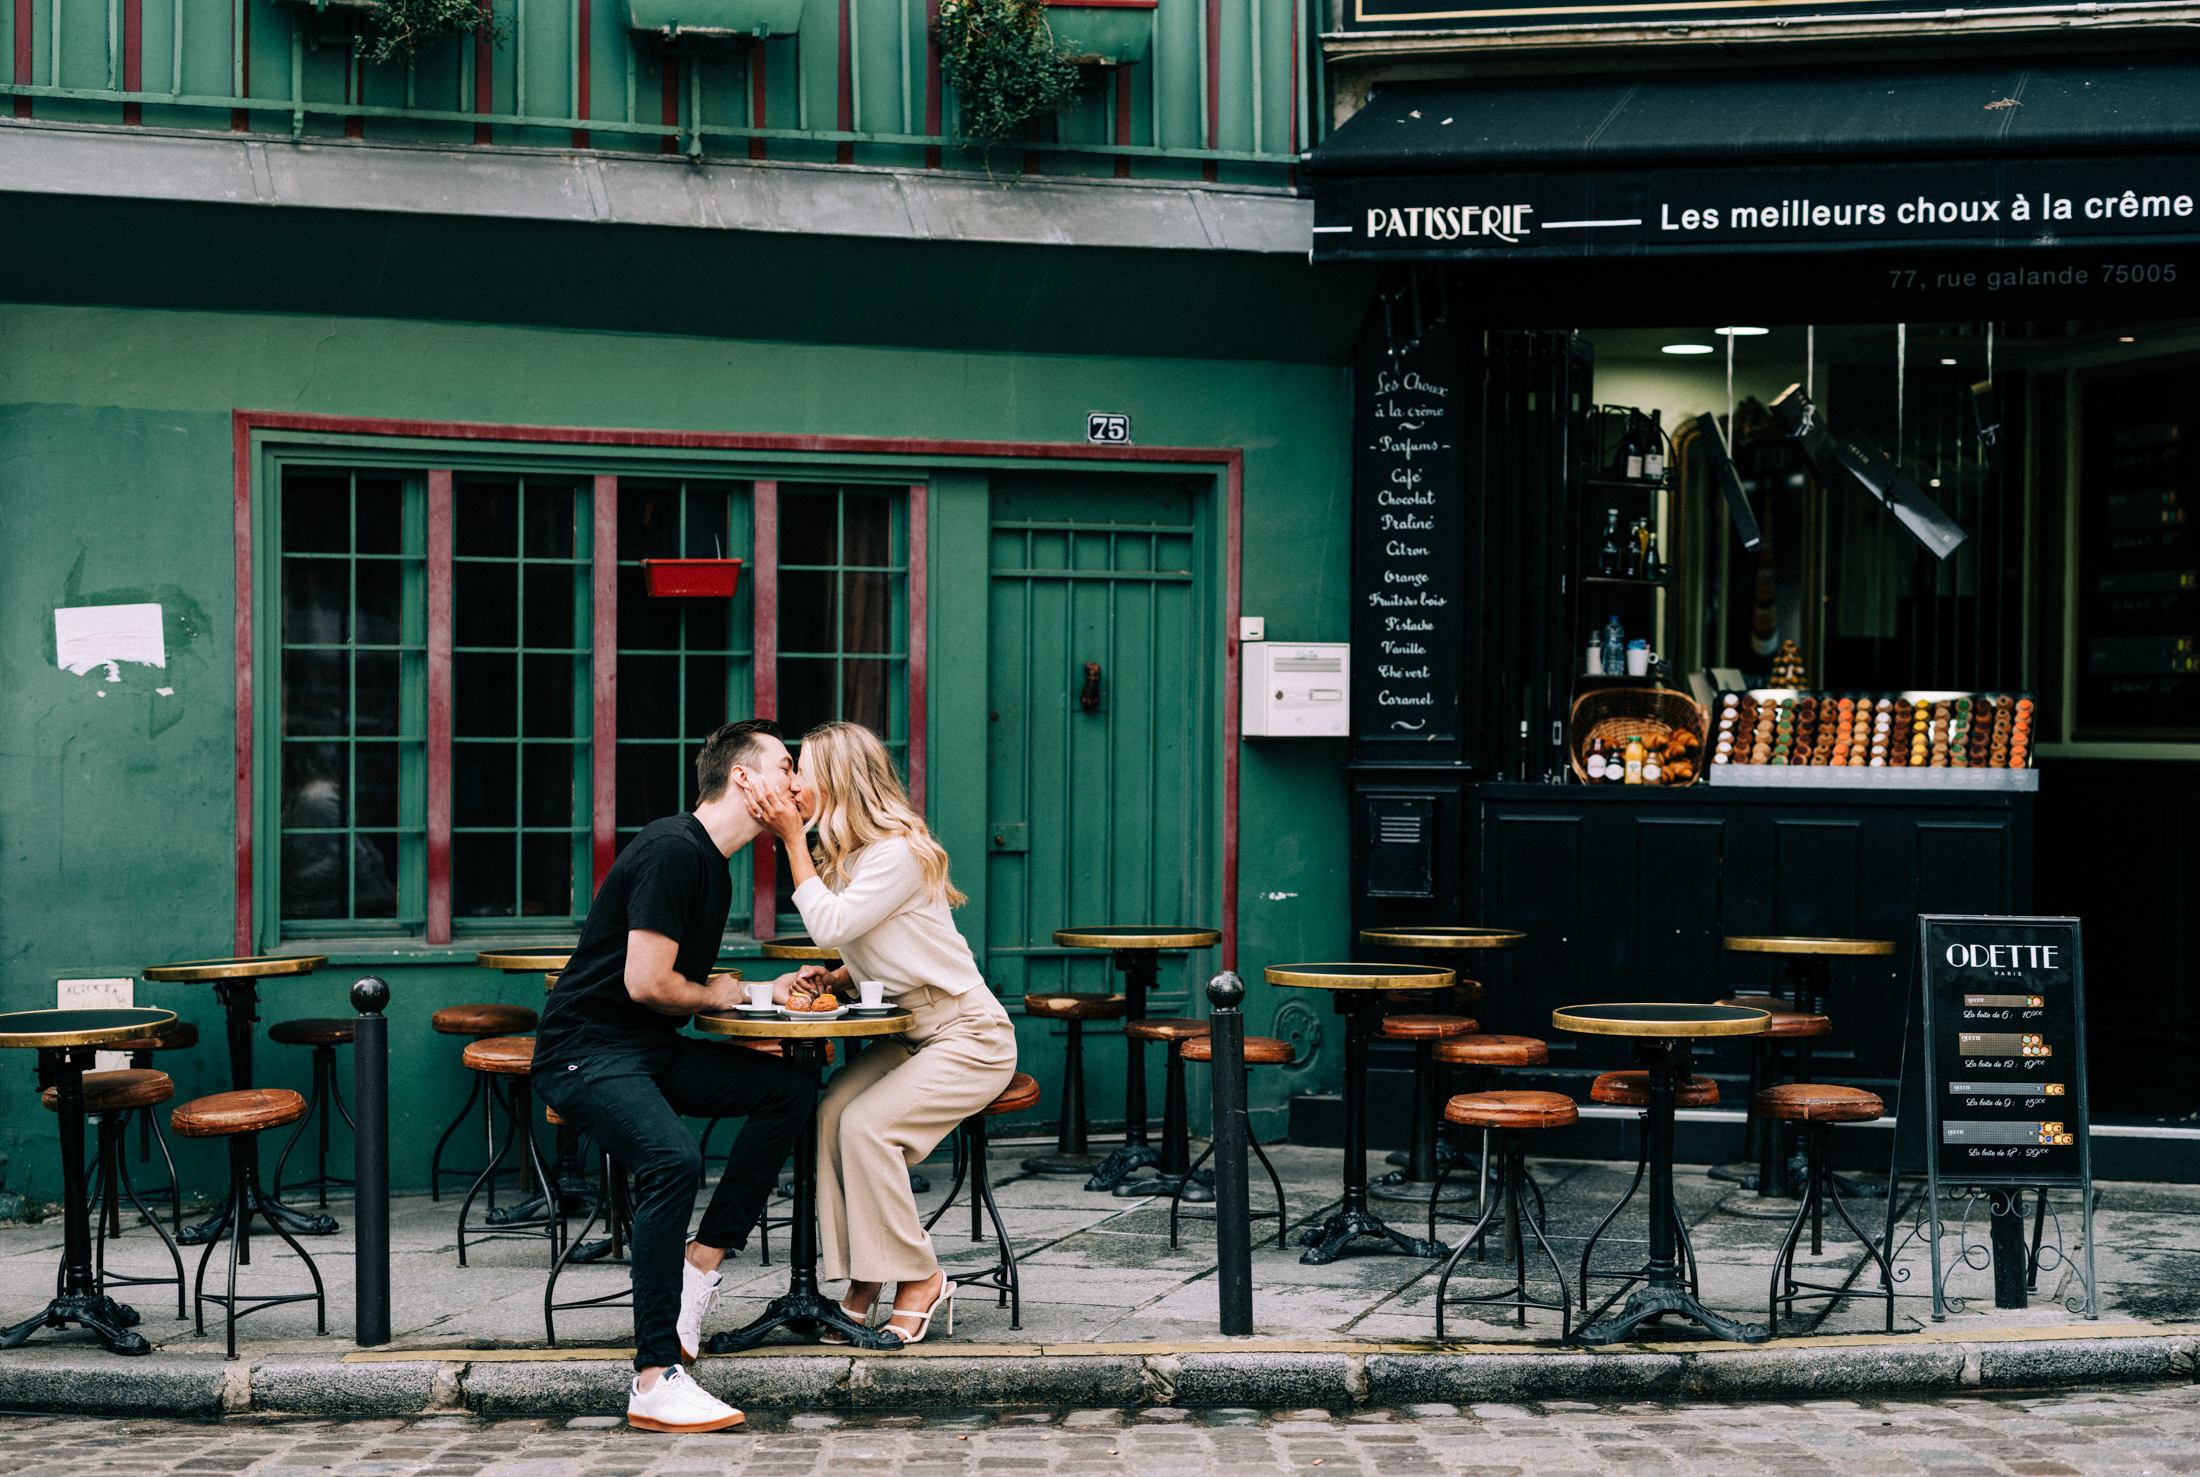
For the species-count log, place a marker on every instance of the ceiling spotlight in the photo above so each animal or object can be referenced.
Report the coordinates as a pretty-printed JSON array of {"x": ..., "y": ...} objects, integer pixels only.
[
  {"x": 2127, "y": 339},
  {"x": 1947, "y": 361},
  {"x": 1689, "y": 349},
  {"x": 1934, "y": 483},
  {"x": 1742, "y": 332}
]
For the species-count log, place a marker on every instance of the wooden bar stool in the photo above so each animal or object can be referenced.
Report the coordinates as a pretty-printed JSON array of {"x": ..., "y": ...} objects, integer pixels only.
[
  {"x": 510, "y": 1058},
  {"x": 608, "y": 1204},
  {"x": 480, "y": 1022},
  {"x": 1070, "y": 1155},
  {"x": 1817, "y": 1106},
  {"x": 1176, "y": 1129},
  {"x": 176, "y": 1036},
  {"x": 1507, "y": 1115},
  {"x": 1022, "y": 1092},
  {"x": 1485, "y": 1054},
  {"x": 1632, "y": 1090},
  {"x": 241, "y": 1117},
  {"x": 111, "y": 1099},
  {"x": 324, "y": 1035},
  {"x": 1260, "y": 1051},
  {"x": 1417, "y": 1180}
]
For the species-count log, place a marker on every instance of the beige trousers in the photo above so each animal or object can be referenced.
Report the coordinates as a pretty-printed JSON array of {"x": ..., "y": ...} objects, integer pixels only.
[{"x": 888, "y": 1109}]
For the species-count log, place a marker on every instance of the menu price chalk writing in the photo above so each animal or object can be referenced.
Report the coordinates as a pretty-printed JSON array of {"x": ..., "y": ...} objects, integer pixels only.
[
  {"x": 1408, "y": 539},
  {"x": 2003, "y": 1006}
]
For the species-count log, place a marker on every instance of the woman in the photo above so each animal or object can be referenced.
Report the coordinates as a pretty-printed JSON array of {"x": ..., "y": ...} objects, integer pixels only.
[{"x": 878, "y": 891}]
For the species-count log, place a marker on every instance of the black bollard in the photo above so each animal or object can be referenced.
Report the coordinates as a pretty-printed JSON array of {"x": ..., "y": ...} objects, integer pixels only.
[
  {"x": 1233, "y": 1207},
  {"x": 370, "y": 1096}
]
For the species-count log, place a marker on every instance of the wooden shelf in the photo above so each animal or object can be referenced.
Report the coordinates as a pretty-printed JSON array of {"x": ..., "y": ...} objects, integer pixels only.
[{"x": 1615, "y": 579}]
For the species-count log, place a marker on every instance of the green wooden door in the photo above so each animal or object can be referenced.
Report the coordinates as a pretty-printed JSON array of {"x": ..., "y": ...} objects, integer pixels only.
[{"x": 1099, "y": 799}]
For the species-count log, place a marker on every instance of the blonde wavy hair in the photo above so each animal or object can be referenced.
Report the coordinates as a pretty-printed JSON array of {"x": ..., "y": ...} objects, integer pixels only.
[{"x": 860, "y": 800}]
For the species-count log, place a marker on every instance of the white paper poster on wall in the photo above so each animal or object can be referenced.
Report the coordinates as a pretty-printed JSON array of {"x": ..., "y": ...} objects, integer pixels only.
[
  {"x": 108, "y": 994},
  {"x": 88, "y": 636}
]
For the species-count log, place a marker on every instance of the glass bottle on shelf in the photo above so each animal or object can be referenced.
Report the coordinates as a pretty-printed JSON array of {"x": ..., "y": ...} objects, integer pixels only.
[
  {"x": 1631, "y": 552},
  {"x": 1608, "y": 554},
  {"x": 1596, "y": 763},
  {"x": 1634, "y": 760},
  {"x": 1631, "y": 467},
  {"x": 1615, "y": 648},
  {"x": 1653, "y": 459}
]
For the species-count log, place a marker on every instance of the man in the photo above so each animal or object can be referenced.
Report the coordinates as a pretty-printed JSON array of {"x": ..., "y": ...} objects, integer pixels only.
[{"x": 609, "y": 1057}]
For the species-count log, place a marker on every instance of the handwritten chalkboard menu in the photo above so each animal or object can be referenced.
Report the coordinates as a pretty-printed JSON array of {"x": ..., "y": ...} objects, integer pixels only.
[
  {"x": 2004, "y": 1097},
  {"x": 1408, "y": 541},
  {"x": 2138, "y": 588}
]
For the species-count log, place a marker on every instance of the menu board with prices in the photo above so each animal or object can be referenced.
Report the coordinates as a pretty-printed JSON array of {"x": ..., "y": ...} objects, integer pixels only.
[
  {"x": 1408, "y": 540},
  {"x": 2004, "y": 1049},
  {"x": 2138, "y": 587}
]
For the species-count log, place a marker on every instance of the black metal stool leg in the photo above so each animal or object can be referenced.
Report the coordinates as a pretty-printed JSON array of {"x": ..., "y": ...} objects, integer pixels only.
[
  {"x": 436, "y": 1171},
  {"x": 1642, "y": 1166}
]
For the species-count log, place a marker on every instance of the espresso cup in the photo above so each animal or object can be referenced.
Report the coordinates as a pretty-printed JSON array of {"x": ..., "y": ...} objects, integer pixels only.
[
  {"x": 759, "y": 992},
  {"x": 872, "y": 993}
]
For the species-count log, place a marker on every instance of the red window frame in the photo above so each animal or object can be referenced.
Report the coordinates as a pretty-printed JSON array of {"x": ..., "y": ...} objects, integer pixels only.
[{"x": 244, "y": 424}]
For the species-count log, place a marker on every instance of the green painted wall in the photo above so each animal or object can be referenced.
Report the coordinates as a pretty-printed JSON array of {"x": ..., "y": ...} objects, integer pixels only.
[{"x": 116, "y": 815}]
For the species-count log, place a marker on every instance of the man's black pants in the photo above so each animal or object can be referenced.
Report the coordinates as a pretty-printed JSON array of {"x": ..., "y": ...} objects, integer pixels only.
[{"x": 632, "y": 1106}]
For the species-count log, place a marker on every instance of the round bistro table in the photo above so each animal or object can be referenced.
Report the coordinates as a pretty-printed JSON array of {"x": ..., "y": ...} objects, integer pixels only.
[
  {"x": 1425, "y": 1154},
  {"x": 1357, "y": 991},
  {"x": 1663, "y": 1034},
  {"x": 236, "y": 985},
  {"x": 802, "y": 1306},
  {"x": 67, "y": 1042},
  {"x": 567, "y": 1174},
  {"x": 795, "y": 946},
  {"x": 1138, "y": 948}
]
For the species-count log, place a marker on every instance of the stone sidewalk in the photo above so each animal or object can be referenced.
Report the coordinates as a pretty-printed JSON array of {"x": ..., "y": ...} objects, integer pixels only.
[{"x": 1106, "y": 1300}]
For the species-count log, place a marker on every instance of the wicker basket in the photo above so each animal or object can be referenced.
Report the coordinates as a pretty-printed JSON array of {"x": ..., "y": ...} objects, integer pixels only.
[{"x": 1621, "y": 713}]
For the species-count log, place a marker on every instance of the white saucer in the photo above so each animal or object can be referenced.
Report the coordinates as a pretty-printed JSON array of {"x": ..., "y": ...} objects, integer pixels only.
[
  {"x": 757, "y": 1009},
  {"x": 816, "y": 1015}
]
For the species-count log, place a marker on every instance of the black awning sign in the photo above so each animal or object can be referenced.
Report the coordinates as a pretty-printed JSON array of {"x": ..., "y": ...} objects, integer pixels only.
[{"x": 1811, "y": 207}]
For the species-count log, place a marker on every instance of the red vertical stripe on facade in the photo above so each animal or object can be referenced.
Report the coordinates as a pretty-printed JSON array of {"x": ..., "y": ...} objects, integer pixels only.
[
  {"x": 133, "y": 57},
  {"x": 764, "y": 682},
  {"x": 1122, "y": 119},
  {"x": 584, "y": 45},
  {"x": 603, "y": 730},
  {"x": 485, "y": 75},
  {"x": 1233, "y": 549},
  {"x": 240, "y": 452},
  {"x": 23, "y": 37},
  {"x": 759, "y": 76},
  {"x": 844, "y": 86},
  {"x": 1214, "y": 115},
  {"x": 920, "y": 589},
  {"x": 439, "y": 706},
  {"x": 668, "y": 101}
]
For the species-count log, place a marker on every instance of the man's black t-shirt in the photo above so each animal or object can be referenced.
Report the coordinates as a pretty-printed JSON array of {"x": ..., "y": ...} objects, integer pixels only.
[{"x": 671, "y": 880}]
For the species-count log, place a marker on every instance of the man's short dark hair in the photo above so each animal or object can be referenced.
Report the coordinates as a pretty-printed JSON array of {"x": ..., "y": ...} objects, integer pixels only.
[{"x": 731, "y": 744}]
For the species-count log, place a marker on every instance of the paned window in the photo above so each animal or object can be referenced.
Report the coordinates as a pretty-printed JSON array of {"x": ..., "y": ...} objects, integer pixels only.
[
  {"x": 684, "y": 664},
  {"x": 520, "y": 717},
  {"x": 354, "y": 697},
  {"x": 844, "y": 609}
]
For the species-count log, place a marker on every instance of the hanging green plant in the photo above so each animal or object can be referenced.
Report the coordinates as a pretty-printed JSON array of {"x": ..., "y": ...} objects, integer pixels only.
[
  {"x": 1003, "y": 63},
  {"x": 397, "y": 30}
]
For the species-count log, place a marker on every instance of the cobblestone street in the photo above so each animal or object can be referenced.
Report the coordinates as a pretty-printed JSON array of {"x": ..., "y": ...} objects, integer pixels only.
[{"x": 2128, "y": 1432}]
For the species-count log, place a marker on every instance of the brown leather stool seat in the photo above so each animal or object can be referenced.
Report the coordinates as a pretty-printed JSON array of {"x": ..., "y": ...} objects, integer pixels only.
[
  {"x": 1493, "y": 1051},
  {"x": 1632, "y": 1090},
  {"x": 506, "y": 1056},
  {"x": 1022, "y": 1092},
  {"x": 314, "y": 1031},
  {"x": 1817, "y": 1102},
  {"x": 1260, "y": 1051},
  {"x": 1427, "y": 1027},
  {"x": 1075, "y": 1007},
  {"x": 175, "y": 1036},
  {"x": 550, "y": 1116},
  {"x": 117, "y": 1092},
  {"x": 1512, "y": 1110},
  {"x": 483, "y": 1020},
  {"x": 1165, "y": 1028},
  {"x": 1786, "y": 1021},
  {"x": 252, "y": 1110}
]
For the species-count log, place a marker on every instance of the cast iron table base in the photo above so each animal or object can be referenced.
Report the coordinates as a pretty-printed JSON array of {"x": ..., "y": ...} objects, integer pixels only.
[{"x": 1326, "y": 1242}]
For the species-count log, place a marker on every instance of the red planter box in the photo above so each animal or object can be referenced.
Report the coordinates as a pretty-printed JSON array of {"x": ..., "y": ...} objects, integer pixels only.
[{"x": 689, "y": 578}]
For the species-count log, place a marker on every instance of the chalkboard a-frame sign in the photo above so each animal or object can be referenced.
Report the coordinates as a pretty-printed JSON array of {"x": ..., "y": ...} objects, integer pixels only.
[{"x": 1994, "y": 1066}]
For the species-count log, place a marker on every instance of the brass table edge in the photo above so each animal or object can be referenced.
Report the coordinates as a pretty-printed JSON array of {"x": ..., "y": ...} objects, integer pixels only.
[
  {"x": 46, "y": 1039},
  {"x": 1189, "y": 938},
  {"x": 1820, "y": 947},
  {"x": 1752, "y": 1025},
  {"x": 520, "y": 961},
  {"x": 729, "y": 1024},
  {"x": 797, "y": 951},
  {"x": 1405, "y": 977},
  {"x": 264, "y": 967},
  {"x": 1411, "y": 938}
]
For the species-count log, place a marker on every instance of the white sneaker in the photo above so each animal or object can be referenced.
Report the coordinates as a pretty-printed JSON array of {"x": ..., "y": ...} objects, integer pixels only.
[
  {"x": 677, "y": 1404},
  {"x": 697, "y": 1288}
]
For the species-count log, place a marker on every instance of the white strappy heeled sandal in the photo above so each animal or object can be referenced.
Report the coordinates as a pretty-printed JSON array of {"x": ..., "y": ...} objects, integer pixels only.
[
  {"x": 863, "y": 1318},
  {"x": 946, "y": 1300}
]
